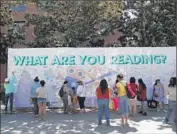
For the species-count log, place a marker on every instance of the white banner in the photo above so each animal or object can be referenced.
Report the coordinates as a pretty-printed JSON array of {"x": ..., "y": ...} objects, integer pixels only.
[{"x": 54, "y": 65}]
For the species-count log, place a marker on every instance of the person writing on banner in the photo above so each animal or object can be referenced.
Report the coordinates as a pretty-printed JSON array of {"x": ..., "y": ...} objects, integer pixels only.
[
  {"x": 66, "y": 94},
  {"x": 41, "y": 94},
  {"x": 34, "y": 86},
  {"x": 122, "y": 94},
  {"x": 103, "y": 95},
  {"x": 9, "y": 92},
  {"x": 81, "y": 94},
  {"x": 170, "y": 117}
]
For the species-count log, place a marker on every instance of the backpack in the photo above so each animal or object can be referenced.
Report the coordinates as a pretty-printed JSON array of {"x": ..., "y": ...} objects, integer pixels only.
[
  {"x": 128, "y": 89},
  {"x": 61, "y": 92}
]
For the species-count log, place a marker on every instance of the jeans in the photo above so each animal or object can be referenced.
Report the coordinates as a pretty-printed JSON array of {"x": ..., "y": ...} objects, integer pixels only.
[
  {"x": 124, "y": 105},
  {"x": 36, "y": 109},
  {"x": 103, "y": 108},
  {"x": 171, "y": 114},
  {"x": 7, "y": 97},
  {"x": 65, "y": 105}
]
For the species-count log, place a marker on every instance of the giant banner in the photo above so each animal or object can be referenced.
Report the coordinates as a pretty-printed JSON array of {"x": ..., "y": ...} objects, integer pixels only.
[{"x": 54, "y": 65}]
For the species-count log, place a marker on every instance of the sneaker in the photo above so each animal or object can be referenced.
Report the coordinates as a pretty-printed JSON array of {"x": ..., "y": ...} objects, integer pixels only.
[
  {"x": 108, "y": 123},
  {"x": 158, "y": 110},
  {"x": 165, "y": 110},
  {"x": 99, "y": 123},
  {"x": 145, "y": 114},
  {"x": 140, "y": 112}
]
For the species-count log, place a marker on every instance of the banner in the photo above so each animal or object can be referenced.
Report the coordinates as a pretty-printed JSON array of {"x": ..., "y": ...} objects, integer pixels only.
[{"x": 54, "y": 65}]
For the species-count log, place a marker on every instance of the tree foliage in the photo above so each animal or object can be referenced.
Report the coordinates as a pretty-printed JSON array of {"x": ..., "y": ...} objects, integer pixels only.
[
  {"x": 73, "y": 23},
  {"x": 12, "y": 35},
  {"x": 148, "y": 23}
]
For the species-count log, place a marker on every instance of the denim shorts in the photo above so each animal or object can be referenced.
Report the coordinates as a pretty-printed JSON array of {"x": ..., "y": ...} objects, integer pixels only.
[
  {"x": 124, "y": 105},
  {"x": 42, "y": 100}
]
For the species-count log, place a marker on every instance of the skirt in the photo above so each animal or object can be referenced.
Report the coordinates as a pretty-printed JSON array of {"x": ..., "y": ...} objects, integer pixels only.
[{"x": 42, "y": 100}]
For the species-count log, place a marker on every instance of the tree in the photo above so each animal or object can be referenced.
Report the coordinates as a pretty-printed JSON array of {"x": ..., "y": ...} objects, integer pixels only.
[
  {"x": 73, "y": 23},
  {"x": 149, "y": 23},
  {"x": 14, "y": 33}
]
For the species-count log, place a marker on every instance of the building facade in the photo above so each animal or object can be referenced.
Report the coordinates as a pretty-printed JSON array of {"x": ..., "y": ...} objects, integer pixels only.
[{"x": 18, "y": 13}]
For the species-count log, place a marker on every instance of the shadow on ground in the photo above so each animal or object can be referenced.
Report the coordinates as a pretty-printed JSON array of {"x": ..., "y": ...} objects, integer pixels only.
[{"x": 57, "y": 123}]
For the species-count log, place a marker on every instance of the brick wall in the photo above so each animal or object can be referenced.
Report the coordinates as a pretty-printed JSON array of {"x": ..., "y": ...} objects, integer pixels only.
[{"x": 18, "y": 16}]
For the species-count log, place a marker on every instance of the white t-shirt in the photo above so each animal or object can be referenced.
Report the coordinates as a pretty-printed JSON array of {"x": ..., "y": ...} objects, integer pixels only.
[
  {"x": 81, "y": 92},
  {"x": 42, "y": 92},
  {"x": 171, "y": 91}
]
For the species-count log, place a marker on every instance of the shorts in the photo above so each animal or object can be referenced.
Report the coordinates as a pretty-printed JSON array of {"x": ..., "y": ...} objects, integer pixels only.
[{"x": 42, "y": 100}]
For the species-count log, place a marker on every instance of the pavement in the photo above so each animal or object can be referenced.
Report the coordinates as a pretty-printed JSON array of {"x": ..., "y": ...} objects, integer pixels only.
[{"x": 58, "y": 123}]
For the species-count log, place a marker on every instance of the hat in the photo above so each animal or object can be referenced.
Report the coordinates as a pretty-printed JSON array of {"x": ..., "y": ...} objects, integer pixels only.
[
  {"x": 121, "y": 76},
  {"x": 6, "y": 79},
  {"x": 36, "y": 79}
]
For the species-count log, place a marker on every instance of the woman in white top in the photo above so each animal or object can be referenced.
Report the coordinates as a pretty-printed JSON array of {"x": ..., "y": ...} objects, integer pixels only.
[
  {"x": 171, "y": 90},
  {"x": 41, "y": 94},
  {"x": 81, "y": 94}
]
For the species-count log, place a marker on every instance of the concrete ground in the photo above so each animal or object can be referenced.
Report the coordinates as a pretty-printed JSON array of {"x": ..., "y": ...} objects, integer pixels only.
[{"x": 57, "y": 123}]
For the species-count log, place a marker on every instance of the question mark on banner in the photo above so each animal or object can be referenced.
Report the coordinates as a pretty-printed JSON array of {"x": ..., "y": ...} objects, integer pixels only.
[{"x": 164, "y": 57}]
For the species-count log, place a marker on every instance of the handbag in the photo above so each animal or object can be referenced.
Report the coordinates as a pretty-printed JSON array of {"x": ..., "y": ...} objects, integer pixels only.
[
  {"x": 156, "y": 95},
  {"x": 75, "y": 100},
  {"x": 110, "y": 104}
]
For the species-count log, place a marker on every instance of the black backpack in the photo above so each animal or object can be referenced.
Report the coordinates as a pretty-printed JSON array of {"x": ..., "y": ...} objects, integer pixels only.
[{"x": 61, "y": 92}]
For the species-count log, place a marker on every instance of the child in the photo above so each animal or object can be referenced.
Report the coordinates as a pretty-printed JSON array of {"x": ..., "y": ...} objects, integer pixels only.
[{"x": 41, "y": 94}]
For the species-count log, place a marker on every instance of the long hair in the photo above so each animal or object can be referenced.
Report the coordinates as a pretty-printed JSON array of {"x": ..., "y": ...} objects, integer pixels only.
[
  {"x": 156, "y": 81},
  {"x": 103, "y": 86},
  {"x": 132, "y": 80},
  {"x": 140, "y": 81},
  {"x": 172, "y": 82},
  {"x": 117, "y": 81}
]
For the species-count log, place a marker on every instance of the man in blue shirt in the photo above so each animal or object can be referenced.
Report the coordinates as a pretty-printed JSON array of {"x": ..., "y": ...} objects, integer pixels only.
[
  {"x": 35, "y": 85},
  {"x": 9, "y": 90}
]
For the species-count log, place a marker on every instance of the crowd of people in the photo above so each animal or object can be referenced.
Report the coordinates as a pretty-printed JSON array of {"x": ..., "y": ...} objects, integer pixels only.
[{"x": 127, "y": 92}]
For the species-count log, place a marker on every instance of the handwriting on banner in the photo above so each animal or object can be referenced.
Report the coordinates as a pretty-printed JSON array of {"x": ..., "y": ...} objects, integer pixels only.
[{"x": 88, "y": 60}]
